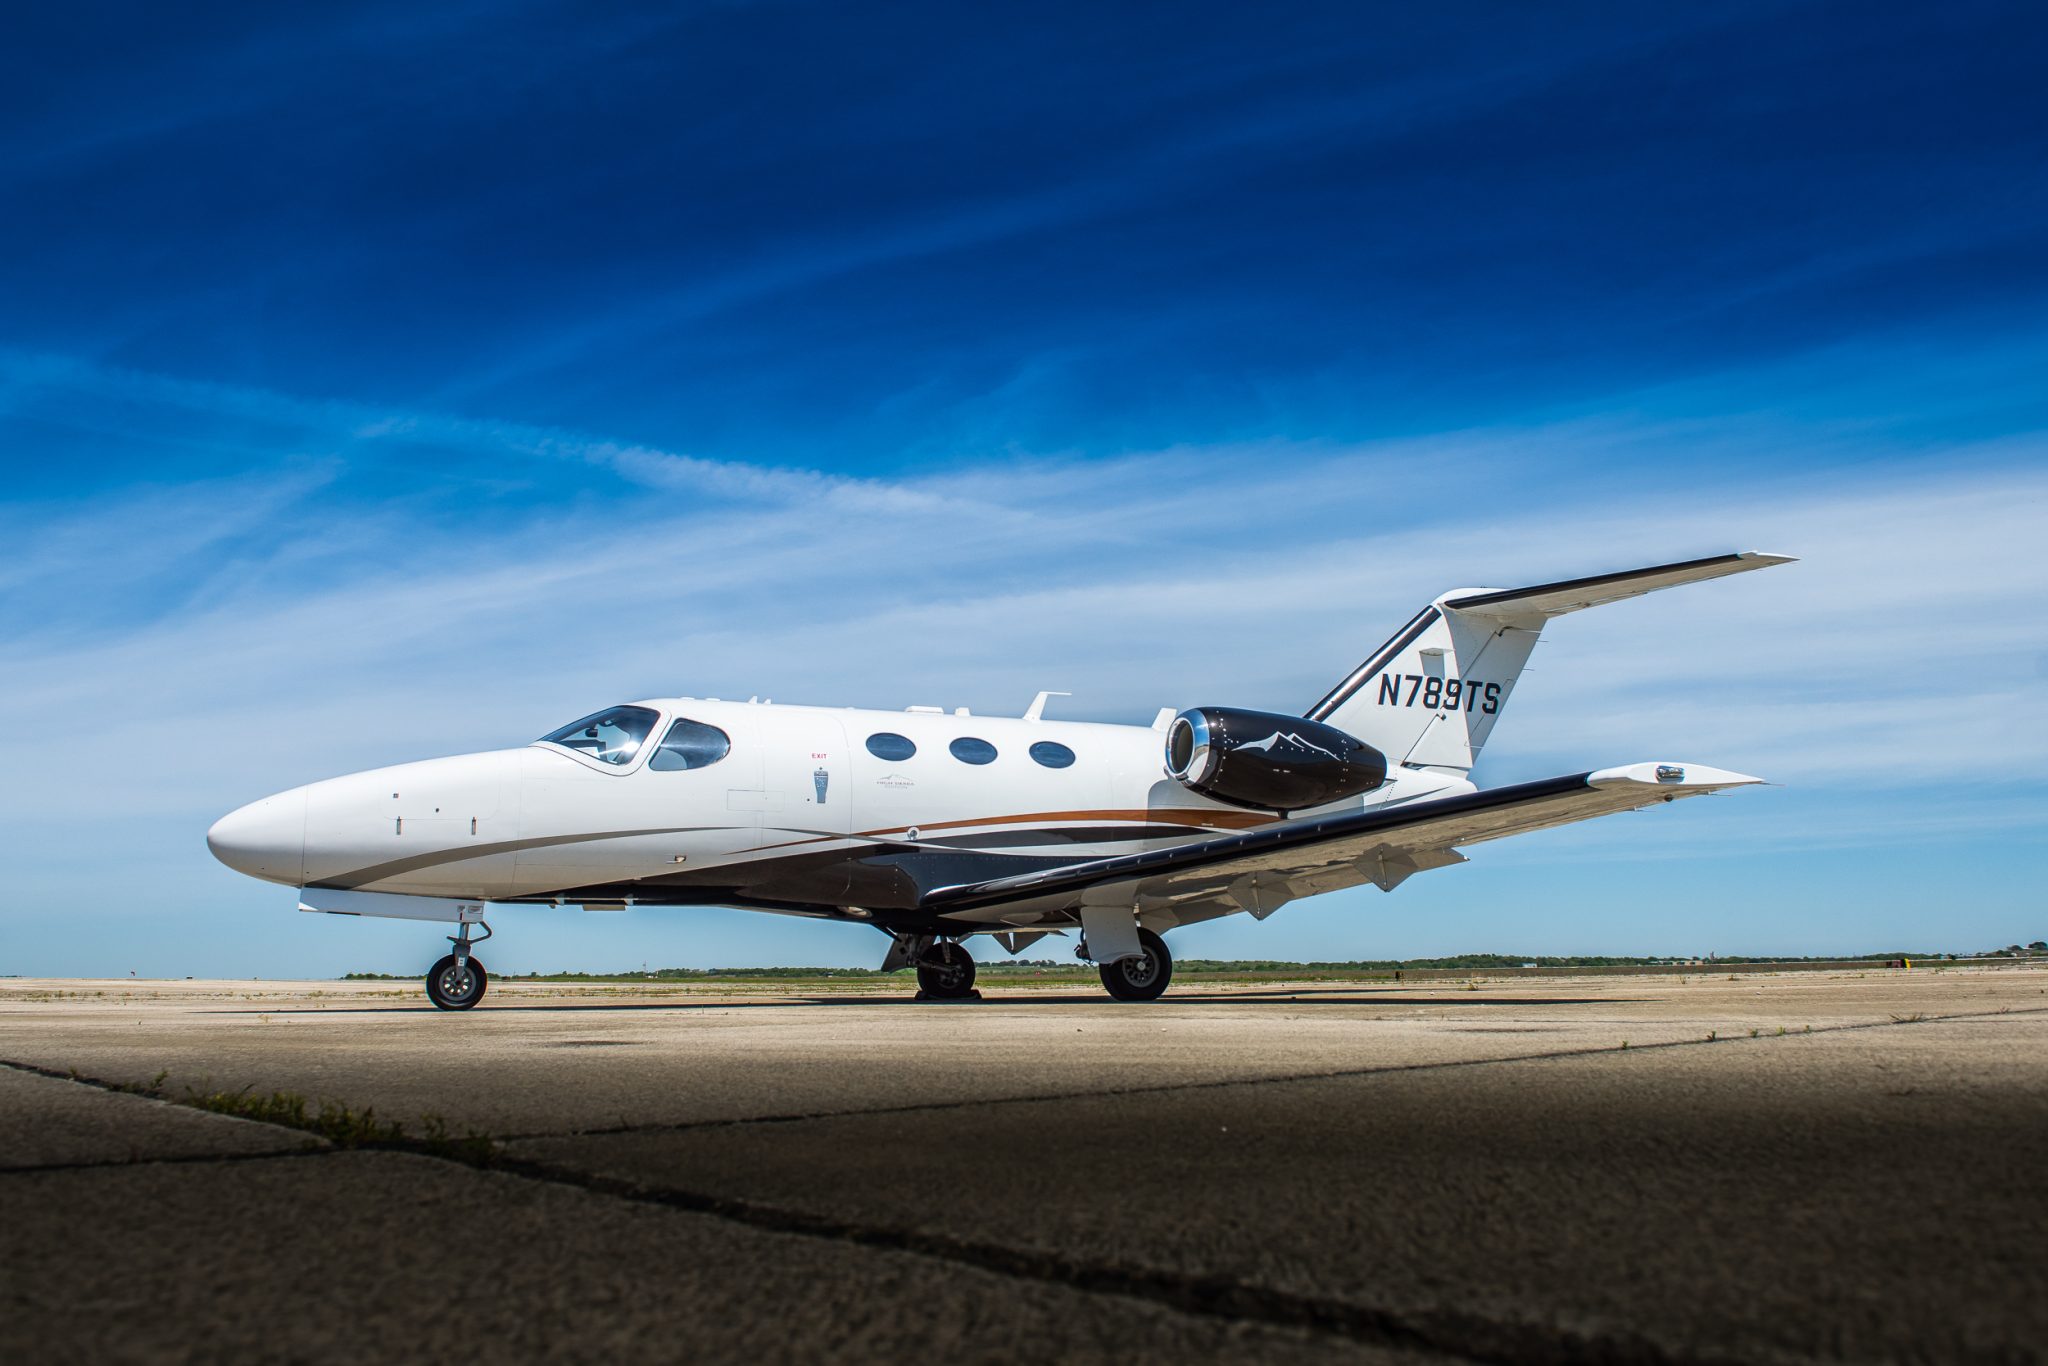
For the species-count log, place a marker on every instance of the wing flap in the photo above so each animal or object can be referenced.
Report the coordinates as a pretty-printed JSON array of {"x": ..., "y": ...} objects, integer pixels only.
[{"x": 1262, "y": 869}]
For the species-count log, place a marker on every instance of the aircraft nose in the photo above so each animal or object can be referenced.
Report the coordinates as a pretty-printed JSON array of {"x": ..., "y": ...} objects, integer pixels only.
[{"x": 265, "y": 839}]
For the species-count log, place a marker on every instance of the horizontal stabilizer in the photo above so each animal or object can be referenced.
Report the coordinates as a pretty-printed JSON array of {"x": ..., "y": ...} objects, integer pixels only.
[
  {"x": 1572, "y": 595},
  {"x": 1431, "y": 695}
]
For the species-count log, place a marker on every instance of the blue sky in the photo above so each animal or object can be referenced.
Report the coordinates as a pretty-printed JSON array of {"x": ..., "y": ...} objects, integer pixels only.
[{"x": 383, "y": 382}]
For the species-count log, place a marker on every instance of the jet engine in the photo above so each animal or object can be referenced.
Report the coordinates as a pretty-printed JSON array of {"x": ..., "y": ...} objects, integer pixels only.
[{"x": 1277, "y": 763}]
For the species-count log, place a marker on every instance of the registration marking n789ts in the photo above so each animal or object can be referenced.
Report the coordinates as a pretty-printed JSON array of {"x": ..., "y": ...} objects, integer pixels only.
[{"x": 1451, "y": 694}]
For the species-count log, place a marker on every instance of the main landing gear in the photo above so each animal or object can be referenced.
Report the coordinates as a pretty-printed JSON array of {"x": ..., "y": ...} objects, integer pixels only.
[
  {"x": 945, "y": 972},
  {"x": 1143, "y": 978},
  {"x": 457, "y": 982}
]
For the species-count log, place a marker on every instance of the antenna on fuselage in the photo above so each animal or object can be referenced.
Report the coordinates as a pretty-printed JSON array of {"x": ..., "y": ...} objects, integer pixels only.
[{"x": 1036, "y": 711}]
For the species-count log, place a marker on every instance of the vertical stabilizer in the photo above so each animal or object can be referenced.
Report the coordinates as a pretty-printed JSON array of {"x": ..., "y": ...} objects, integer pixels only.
[{"x": 1430, "y": 696}]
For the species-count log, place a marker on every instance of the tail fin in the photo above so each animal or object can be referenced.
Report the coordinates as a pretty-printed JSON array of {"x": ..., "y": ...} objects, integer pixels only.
[{"x": 1429, "y": 697}]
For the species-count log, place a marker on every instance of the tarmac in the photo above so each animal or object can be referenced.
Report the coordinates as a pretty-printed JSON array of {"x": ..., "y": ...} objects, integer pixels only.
[{"x": 1707, "y": 1168}]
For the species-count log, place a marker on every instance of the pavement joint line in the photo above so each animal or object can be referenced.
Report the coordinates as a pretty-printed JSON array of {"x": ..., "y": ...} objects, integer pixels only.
[
  {"x": 1221, "y": 1083},
  {"x": 391, "y": 1138},
  {"x": 314, "y": 1148},
  {"x": 74, "y": 1075}
]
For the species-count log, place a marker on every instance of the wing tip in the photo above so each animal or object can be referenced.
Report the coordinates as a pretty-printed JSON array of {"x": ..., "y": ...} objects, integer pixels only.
[{"x": 1673, "y": 776}]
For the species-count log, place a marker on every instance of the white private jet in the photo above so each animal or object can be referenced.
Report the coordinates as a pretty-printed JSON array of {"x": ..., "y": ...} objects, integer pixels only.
[{"x": 936, "y": 826}]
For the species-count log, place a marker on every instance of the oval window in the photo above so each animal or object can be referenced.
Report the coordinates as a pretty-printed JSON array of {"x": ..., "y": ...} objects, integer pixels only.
[
  {"x": 891, "y": 746},
  {"x": 969, "y": 750},
  {"x": 1052, "y": 754},
  {"x": 690, "y": 744}
]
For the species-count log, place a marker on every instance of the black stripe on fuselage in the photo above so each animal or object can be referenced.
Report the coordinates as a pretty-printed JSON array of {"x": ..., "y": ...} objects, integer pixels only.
[
  {"x": 378, "y": 872},
  {"x": 1040, "y": 837},
  {"x": 748, "y": 872}
]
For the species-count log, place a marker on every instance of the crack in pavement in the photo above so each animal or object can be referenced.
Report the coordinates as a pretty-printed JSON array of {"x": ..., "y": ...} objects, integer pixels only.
[{"x": 1444, "y": 1332}]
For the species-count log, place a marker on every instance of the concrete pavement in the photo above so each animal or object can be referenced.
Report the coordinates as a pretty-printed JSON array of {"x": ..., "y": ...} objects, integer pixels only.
[{"x": 1797, "y": 1167}]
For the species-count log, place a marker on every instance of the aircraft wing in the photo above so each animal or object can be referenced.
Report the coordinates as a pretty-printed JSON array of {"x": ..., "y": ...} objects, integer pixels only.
[{"x": 1261, "y": 870}]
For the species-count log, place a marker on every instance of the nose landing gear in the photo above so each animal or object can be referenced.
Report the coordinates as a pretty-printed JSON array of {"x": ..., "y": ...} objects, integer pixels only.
[{"x": 457, "y": 982}]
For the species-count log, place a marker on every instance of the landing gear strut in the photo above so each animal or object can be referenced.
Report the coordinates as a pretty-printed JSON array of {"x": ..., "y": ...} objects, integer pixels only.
[
  {"x": 945, "y": 972},
  {"x": 1143, "y": 978},
  {"x": 457, "y": 982}
]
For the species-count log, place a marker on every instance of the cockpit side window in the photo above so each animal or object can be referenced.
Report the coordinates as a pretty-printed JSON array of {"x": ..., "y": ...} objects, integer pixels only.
[
  {"x": 611, "y": 737},
  {"x": 690, "y": 744}
]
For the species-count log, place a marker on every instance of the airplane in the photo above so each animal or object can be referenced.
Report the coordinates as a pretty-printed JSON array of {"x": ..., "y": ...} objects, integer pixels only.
[{"x": 935, "y": 826}]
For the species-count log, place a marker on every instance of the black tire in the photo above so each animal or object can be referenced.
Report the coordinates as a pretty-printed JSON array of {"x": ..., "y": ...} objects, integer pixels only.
[
  {"x": 1140, "y": 979},
  {"x": 950, "y": 976},
  {"x": 453, "y": 990}
]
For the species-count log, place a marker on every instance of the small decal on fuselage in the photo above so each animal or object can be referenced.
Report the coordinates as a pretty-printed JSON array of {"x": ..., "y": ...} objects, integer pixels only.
[{"x": 1451, "y": 694}]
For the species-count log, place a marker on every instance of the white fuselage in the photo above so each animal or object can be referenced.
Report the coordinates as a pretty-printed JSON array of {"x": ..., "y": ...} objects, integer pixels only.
[
  {"x": 936, "y": 826},
  {"x": 802, "y": 812}
]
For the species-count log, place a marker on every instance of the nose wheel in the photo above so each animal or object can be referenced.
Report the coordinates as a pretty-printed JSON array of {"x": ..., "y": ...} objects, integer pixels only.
[
  {"x": 456, "y": 985},
  {"x": 457, "y": 982}
]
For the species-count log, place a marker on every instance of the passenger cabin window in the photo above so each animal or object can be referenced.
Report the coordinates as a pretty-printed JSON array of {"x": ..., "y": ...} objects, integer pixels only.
[
  {"x": 611, "y": 737},
  {"x": 969, "y": 750},
  {"x": 1052, "y": 754},
  {"x": 690, "y": 744},
  {"x": 891, "y": 746}
]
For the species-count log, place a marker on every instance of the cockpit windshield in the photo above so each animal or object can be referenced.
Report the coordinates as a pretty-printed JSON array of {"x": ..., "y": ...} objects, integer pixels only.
[{"x": 611, "y": 737}]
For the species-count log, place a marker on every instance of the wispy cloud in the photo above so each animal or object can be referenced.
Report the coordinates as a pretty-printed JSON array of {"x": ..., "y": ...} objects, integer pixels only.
[
  {"x": 55, "y": 388},
  {"x": 1879, "y": 679}
]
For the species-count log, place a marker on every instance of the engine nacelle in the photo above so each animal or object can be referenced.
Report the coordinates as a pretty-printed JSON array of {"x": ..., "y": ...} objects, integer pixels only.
[{"x": 1277, "y": 763}]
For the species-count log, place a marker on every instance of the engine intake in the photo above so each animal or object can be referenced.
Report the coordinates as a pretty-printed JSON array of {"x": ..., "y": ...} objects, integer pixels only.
[{"x": 1264, "y": 760}]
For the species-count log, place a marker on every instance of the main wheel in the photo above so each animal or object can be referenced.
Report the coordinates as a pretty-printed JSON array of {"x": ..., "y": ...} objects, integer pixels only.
[
  {"x": 1143, "y": 978},
  {"x": 950, "y": 973},
  {"x": 456, "y": 988}
]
